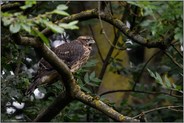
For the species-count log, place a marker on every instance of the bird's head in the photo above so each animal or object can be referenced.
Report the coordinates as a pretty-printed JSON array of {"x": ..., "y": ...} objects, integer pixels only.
[{"x": 86, "y": 40}]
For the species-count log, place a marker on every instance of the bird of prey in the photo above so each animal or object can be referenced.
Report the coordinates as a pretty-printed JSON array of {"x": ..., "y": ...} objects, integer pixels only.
[{"x": 74, "y": 54}]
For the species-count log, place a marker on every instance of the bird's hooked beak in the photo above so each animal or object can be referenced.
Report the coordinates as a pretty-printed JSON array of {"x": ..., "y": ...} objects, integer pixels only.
[{"x": 91, "y": 41}]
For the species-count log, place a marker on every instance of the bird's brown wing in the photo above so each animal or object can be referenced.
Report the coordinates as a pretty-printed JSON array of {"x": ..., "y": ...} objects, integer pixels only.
[{"x": 70, "y": 53}]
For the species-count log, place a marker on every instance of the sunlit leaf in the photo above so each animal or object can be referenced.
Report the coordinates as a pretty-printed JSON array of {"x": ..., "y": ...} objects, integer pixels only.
[
  {"x": 159, "y": 79},
  {"x": 173, "y": 85},
  {"x": 73, "y": 22},
  {"x": 54, "y": 27},
  {"x": 7, "y": 21},
  {"x": 26, "y": 27},
  {"x": 28, "y": 4},
  {"x": 43, "y": 37},
  {"x": 67, "y": 26},
  {"x": 71, "y": 25},
  {"x": 60, "y": 12},
  {"x": 167, "y": 82},
  {"x": 151, "y": 73},
  {"x": 62, "y": 7},
  {"x": 15, "y": 27}
]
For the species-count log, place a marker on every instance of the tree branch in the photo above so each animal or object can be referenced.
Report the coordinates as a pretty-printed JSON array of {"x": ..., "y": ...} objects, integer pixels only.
[
  {"x": 174, "y": 61},
  {"x": 94, "y": 13},
  {"x": 26, "y": 41},
  {"x": 100, "y": 54},
  {"x": 73, "y": 91},
  {"x": 52, "y": 110},
  {"x": 137, "y": 91},
  {"x": 142, "y": 70},
  {"x": 160, "y": 108},
  {"x": 99, "y": 105},
  {"x": 10, "y": 6}
]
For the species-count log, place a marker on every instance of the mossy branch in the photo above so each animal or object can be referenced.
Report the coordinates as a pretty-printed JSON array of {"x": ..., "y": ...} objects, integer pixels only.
[
  {"x": 94, "y": 13},
  {"x": 73, "y": 90}
]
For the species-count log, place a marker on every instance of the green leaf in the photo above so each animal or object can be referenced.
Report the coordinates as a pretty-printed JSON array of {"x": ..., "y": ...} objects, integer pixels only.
[
  {"x": 151, "y": 73},
  {"x": 42, "y": 89},
  {"x": 71, "y": 25},
  {"x": 86, "y": 89},
  {"x": 178, "y": 88},
  {"x": 79, "y": 81},
  {"x": 26, "y": 27},
  {"x": 53, "y": 27},
  {"x": 66, "y": 26},
  {"x": 86, "y": 78},
  {"x": 6, "y": 14},
  {"x": 173, "y": 85},
  {"x": 43, "y": 37},
  {"x": 96, "y": 80},
  {"x": 15, "y": 27},
  {"x": 92, "y": 84},
  {"x": 146, "y": 23},
  {"x": 158, "y": 78},
  {"x": 92, "y": 75},
  {"x": 60, "y": 12},
  {"x": 7, "y": 21},
  {"x": 178, "y": 36},
  {"x": 28, "y": 4},
  {"x": 167, "y": 82},
  {"x": 62, "y": 7},
  {"x": 90, "y": 63}
]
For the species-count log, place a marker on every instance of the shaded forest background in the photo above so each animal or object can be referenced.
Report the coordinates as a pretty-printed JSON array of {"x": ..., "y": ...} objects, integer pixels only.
[{"x": 140, "y": 80}]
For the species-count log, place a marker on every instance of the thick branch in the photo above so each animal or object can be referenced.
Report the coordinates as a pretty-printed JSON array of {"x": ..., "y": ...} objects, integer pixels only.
[
  {"x": 91, "y": 14},
  {"x": 26, "y": 41},
  {"x": 50, "y": 112},
  {"x": 10, "y": 6},
  {"x": 72, "y": 89},
  {"x": 99, "y": 105}
]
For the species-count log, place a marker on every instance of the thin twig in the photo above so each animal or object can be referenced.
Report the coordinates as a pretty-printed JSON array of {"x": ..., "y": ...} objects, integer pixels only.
[
  {"x": 171, "y": 58},
  {"x": 141, "y": 72},
  {"x": 100, "y": 54},
  {"x": 104, "y": 33},
  {"x": 99, "y": 105},
  {"x": 106, "y": 61},
  {"x": 114, "y": 29},
  {"x": 181, "y": 55},
  {"x": 160, "y": 108},
  {"x": 137, "y": 91},
  {"x": 68, "y": 2}
]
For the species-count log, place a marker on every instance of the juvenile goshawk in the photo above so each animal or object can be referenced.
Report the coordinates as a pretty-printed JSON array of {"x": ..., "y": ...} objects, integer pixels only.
[{"x": 74, "y": 54}]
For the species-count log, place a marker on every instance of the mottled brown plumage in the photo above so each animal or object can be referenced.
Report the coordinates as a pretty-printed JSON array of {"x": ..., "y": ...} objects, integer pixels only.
[{"x": 74, "y": 54}]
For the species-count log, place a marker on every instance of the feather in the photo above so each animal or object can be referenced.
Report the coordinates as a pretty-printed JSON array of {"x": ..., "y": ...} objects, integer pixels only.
[{"x": 74, "y": 54}]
